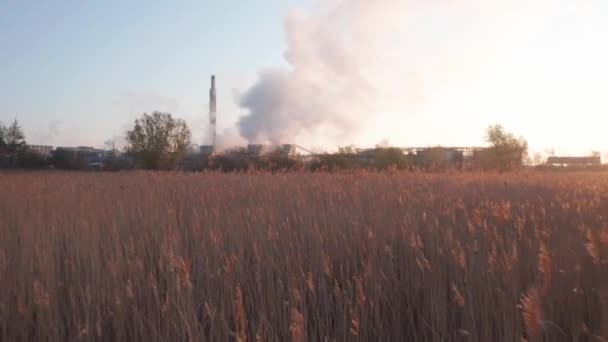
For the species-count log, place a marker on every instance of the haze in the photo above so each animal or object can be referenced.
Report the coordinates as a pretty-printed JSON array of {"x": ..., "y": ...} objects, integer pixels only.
[{"x": 323, "y": 74}]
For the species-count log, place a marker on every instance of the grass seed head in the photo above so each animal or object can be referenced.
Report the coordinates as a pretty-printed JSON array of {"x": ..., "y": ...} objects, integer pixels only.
[{"x": 532, "y": 313}]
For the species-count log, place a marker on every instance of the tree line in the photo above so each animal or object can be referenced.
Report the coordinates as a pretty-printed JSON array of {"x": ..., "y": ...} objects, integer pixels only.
[
  {"x": 158, "y": 141},
  {"x": 13, "y": 151}
]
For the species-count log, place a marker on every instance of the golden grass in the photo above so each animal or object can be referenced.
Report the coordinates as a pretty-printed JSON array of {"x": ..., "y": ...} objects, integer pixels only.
[{"x": 303, "y": 257}]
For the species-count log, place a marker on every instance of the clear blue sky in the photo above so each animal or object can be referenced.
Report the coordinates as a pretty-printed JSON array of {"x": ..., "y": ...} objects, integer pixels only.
[{"x": 77, "y": 72}]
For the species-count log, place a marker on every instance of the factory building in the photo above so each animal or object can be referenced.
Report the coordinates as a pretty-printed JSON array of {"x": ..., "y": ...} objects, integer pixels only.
[
  {"x": 452, "y": 157},
  {"x": 575, "y": 161},
  {"x": 426, "y": 157},
  {"x": 284, "y": 150},
  {"x": 43, "y": 150},
  {"x": 207, "y": 150},
  {"x": 93, "y": 158}
]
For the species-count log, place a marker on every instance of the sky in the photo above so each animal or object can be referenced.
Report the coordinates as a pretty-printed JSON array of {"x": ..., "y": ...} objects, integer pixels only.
[{"x": 80, "y": 72}]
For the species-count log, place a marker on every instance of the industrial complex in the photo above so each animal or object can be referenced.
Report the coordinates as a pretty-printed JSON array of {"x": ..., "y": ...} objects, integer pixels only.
[{"x": 457, "y": 157}]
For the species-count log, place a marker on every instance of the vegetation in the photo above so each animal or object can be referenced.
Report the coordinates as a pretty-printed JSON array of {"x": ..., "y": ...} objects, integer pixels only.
[
  {"x": 14, "y": 152},
  {"x": 506, "y": 151},
  {"x": 379, "y": 159},
  {"x": 29, "y": 159},
  {"x": 12, "y": 143},
  {"x": 2, "y": 133},
  {"x": 389, "y": 157},
  {"x": 276, "y": 161},
  {"x": 115, "y": 162},
  {"x": 334, "y": 162},
  {"x": 158, "y": 141},
  {"x": 69, "y": 160},
  {"x": 238, "y": 161},
  {"x": 3, "y": 148},
  {"x": 303, "y": 257}
]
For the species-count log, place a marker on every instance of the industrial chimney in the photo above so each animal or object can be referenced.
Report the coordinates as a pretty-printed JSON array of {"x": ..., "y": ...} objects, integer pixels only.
[{"x": 212, "y": 112}]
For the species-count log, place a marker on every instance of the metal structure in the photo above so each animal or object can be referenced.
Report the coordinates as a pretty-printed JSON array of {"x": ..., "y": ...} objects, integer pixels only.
[
  {"x": 448, "y": 151},
  {"x": 91, "y": 155},
  {"x": 575, "y": 161},
  {"x": 206, "y": 149},
  {"x": 212, "y": 113},
  {"x": 287, "y": 150},
  {"x": 42, "y": 150},
  {"x": 459, "y": 157}
]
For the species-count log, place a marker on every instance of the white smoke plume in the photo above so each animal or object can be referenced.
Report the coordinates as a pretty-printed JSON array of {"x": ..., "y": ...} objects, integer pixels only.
[
  {"x": 354, "y": 61},
  {"x": 229, "y": 138}
]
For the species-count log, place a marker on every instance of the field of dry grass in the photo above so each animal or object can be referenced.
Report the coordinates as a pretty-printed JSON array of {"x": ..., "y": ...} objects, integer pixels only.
[{"x": 303, "y": 257}]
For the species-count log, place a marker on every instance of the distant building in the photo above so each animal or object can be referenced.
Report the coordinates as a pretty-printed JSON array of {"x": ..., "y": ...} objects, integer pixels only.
[
  {"x": 575, "y": 161},
  {"x": 92, "y": 156},
  {"x": 440, "y": 156},
  {"x": 285, "y": 150},
  {"x": 424, "y": 156},
  {"x": 257, "y": 149},
  {"x": 42, "y": 150},
  {"x": 207, "y": 149}
]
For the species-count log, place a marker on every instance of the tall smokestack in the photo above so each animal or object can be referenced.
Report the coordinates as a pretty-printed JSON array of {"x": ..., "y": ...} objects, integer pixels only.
[{"x": 212, "y": 112}]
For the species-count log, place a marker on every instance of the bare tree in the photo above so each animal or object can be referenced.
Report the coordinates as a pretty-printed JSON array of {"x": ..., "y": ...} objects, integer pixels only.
[
  {"x": 158, "y": 141},
  {"x": 538, "y": 158}
]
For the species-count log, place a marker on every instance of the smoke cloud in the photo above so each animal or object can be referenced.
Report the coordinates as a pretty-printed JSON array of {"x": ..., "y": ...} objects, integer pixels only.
[
  {"x": 355, "y": 62},
  {"x": 229, "y": 138},
  {"x": 49, "y": 136}
]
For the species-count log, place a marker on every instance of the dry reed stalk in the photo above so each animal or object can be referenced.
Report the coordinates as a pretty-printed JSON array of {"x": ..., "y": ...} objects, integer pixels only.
[
  {"x": 458, "y": 297},
  {"x": 327, "y": 269},
  {"x": 239, "y": 315},
  {"x": 111, "y": 244},
  {"x": 593, "y": 337},
  {"x": 592, "y": 247},
  {"x": 296, "y": 296},
  {"x": 449, "y": 236},
  {"x": 22, "y": 307},
  {"x": 459, "y": 256},
  {"x": 492, "y": 258},
  {"x": 531, "y": 306},
  {"x": 604, "y": 238},
  {"x": 256, "y": 253},
  {"x": 229, "y": 262},
  {"x": 415, "y": 241},
  {"x": 354, "y": 323},
  {"x": 42, "y": 298},
  {"x": 83, "y": 334},
  {"x": 310, "y": 282},
  {"x": 184, "y": 273},
  {"x": 360, "y": 292},
  {"x": 3, "y": 262},
  {"x": 478, "y": 217},
  {"x": 215, "y": 238},
  {"x": 296, "y": 326},
  {"x": 424, "y": 264},
  {"x": 544, "y": 266}
]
